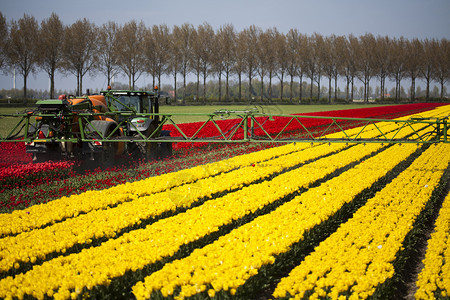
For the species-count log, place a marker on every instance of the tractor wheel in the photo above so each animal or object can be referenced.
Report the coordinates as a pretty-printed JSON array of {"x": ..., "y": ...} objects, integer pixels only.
[
  {"x": 142, "y": 149},
  {"x": 164, "y": 150},
  {"x": 52, "y": 154},
  {"x": 106, "y": 158}
]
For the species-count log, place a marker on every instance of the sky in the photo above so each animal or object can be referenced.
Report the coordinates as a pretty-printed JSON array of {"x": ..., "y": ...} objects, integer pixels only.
[{"x": 394, "y": 18}]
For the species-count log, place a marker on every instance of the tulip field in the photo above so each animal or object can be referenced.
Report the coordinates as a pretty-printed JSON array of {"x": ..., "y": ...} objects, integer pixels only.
[{"x": 237, "y": 221}]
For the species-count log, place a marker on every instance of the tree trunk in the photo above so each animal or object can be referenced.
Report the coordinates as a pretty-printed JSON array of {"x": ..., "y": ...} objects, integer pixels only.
[
  {"x": 81, "y": 84},
  {"x": 52, "y": 84},
  {"x": 198, "y": 87},
  {"x": 291, "y": 90},
  {"x": 227, "y": 91},
  {"x": 220, "y": 86},
  {"x": 351, "y": 93},
  {"x": 413, "y": 89},
  {"x": 204, "y": 88},
  {"x": 270, "y": 86},
  {"x": 184, "y": 85},
  {"x": 301, "y": 89},
  {"x": 347, "y": 96},
  {"x": 249, "y": 86},
  {"x": 318, "y": 88},
  {"x": 335, "y": 89},
  {"x": 262, "y": 88},
  {"x": 25, "y": 87},
  {"x": 78, "y": 84},
  {"x": 281, "y": 87},
  {"x": 175, "y": 86},
  {"x": 311, "y": 90},
  {"x": 240, "y": 87},
  {"x": 329, "y": 90}
]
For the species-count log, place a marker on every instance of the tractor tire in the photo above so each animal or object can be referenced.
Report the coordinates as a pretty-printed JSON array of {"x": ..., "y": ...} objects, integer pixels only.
[
  {"x": 165, "y": 150},
  {"x": 144, "y": 150},
  {"x": 106, "y": 158},
  {"x": 53, "y": 154}
]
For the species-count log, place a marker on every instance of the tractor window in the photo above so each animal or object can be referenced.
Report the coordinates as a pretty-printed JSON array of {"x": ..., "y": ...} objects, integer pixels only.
[
  {"x": 145, "y": 104},
  {"x": 129, "y": 102}
]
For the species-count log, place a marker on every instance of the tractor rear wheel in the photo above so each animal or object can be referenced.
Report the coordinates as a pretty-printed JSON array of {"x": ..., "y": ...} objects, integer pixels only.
[
  {"x": 145, "y": 150},
  {"x": 105, "y": 158}
]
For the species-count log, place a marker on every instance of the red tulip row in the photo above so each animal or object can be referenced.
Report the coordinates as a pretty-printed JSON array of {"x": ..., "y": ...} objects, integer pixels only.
[{"x": 274, "y": 126}]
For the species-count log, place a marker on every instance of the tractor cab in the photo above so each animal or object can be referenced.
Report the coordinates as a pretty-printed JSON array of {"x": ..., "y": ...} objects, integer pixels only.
[{"x": 132, "y": 101}]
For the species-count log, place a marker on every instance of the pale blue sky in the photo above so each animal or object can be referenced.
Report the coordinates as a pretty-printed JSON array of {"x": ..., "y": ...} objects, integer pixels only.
[{"x": 394, "y": 18}]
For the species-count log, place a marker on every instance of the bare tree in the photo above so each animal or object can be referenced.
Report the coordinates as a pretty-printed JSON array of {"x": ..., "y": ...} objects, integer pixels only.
[
  {"x": 313, "y": 67},
  {"x": 426, "y": 69},
  {"x": 108, "y": 50},
  {"x": 131, "y": 51},
  {"x": 3, "y": 40},
  {"x": 204, "y": 48},
  {"x": 174, "y": 62},
  {"x": 397, "y": 65},
  {"x": 302, "y": 60},
  {"x": 293, "y": 48},
  {"x": 382, "y": 61},
  {"x": 51, "y": 37},
  {"x": 250, "y": 36},
  {"x": 80, "y": 50},
  {"x": 157, "y": 51},
  {"x": 366, "y": 64},
  {"x": 350, "y": 64},
  {"x": 241, "y": 59},
  {"x": 413, "y": 63},
  {"x": 265, "y": 58},
  {"x": 183, "y": 37},
  {"x": 319, "y": 50},
  {"x": 22, "y": 49},
  {"x": 282, "y": 62},
  {"x": 195, "y": 61},
  {"x": 330, "y": 62},
  {"x": 226, "y": 49},
  {"x": 441, "y": 66}
]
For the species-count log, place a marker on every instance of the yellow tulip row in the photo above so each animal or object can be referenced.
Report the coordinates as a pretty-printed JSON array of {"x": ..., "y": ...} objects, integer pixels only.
[
  {"x": 227, "y": 263},
  {"x": 67, "y": 207},
  {"x": 138, "y": 248},
  {"x": 36, "y": 244},
  {"x": 434, "y": 280},
  {"x": 359, "y": 256}
]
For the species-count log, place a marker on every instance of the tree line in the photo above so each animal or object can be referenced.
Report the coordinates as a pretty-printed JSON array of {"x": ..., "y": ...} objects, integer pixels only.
[{"x": 249, "y": 55}]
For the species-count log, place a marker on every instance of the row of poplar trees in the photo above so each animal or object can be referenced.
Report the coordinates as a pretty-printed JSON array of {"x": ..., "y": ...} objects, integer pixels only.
[{"x": 133, "y": 50}]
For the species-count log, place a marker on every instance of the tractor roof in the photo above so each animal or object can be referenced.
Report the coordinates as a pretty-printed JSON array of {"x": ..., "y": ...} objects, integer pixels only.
[{"x": 127, "y": 92}]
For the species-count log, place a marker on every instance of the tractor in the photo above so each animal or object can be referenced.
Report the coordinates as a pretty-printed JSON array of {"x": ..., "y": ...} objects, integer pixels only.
[{"x": 98, "y": 127}]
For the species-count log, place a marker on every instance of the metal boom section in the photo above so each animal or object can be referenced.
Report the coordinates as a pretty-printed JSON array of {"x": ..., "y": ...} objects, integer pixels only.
[{"x": 235, "y": 127}]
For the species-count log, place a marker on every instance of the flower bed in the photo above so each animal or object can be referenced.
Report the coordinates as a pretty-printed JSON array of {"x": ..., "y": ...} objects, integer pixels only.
[
  {"x": 257, "y": 213},
  {"x": 433, "y": 281}
]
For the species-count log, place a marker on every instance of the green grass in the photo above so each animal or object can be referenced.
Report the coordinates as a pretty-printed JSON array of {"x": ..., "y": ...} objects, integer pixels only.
[
  {"x": 8, "y": 123},
  {"x": 268, "y": 109}
]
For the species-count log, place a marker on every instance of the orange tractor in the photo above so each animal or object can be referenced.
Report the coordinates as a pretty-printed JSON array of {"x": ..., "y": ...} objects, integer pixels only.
[{"x": 98, "y": 127}]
